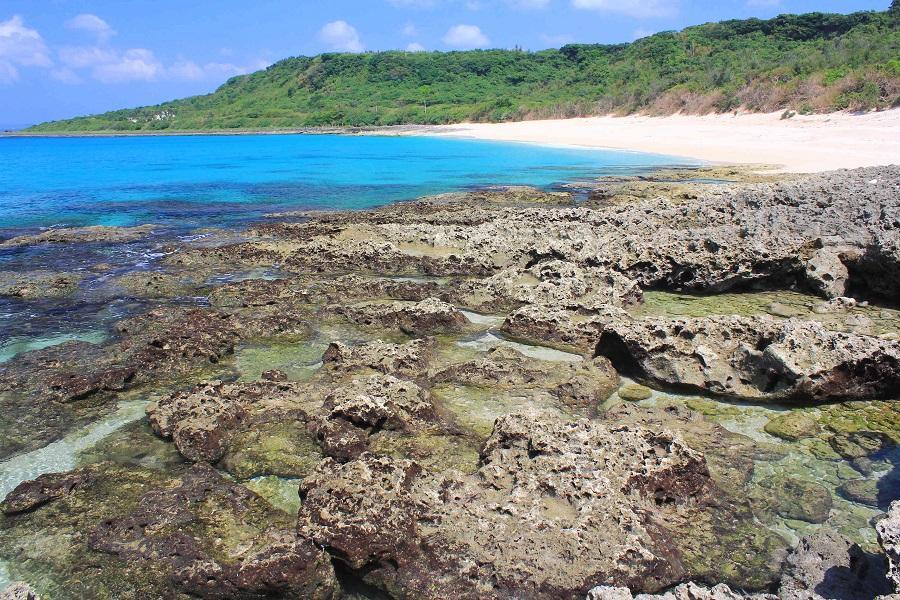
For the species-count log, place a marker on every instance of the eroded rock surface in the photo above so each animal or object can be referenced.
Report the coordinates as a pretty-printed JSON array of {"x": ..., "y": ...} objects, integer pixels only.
[
  {"x": 828, "y": 565},
  {"x": 577, "y": 524},
  {"x": 758, "y": 357},
  {"x": 889, "y": 537},
  {"x": 152, "y": 535},
  {"x": 685, "y": 591}
]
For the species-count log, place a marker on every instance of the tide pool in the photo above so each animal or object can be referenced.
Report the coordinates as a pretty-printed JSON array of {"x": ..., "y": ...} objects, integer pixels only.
[{"x": 191, "y": 181}]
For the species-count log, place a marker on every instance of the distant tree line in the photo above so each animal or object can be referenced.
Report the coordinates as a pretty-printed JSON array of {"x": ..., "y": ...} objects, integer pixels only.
[{"x": 806, "y": 63}]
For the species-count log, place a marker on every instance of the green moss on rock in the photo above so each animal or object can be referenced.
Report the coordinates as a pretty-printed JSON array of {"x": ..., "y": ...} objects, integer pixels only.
[{"x": 792, "y": 426}]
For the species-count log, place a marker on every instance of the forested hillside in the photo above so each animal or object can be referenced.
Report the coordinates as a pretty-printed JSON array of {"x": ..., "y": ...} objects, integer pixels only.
[{"x": 808, "y": 63}]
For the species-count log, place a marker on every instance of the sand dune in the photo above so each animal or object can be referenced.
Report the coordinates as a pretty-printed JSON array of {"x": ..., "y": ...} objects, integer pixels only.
[{"x": 800, "y": 144}]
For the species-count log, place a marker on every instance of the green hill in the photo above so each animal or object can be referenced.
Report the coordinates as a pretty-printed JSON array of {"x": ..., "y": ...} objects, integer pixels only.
[{"x": 809, "y": 63}]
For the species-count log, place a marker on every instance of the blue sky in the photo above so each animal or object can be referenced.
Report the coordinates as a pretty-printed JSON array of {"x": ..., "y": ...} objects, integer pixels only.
[{"x": 61, "y": 58}]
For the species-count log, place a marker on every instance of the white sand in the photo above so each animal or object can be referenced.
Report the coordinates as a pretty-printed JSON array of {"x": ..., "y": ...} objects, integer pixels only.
[{"x": 801, "y": 144}]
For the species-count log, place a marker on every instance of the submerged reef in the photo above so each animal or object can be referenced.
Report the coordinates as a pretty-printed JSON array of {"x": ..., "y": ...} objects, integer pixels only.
[{"x": 679, "y": 388}]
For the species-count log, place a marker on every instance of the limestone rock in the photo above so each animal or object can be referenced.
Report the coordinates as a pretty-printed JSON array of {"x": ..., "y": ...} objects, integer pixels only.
[
  {"x": 576, "y": 525},
  {"x": 580, "y": 384},
  {"x": 368, "y": 405},
  {"x": 172, "y": 529},
  {"x": 792, "y": 426},
  {"x": 754, "y": 357},
  {"x": 19, "y": 591},
  {"x": 38, "y": 284},
  {"x": 685, "y": 591},
  {"x": 422, "y": 318},
  {"x": 30, "y": 495},
  {"x": 71, "y": 235},
  {"x": 410, "y": 360},
  {"x": 203, "y": 421},
  {"x": 828, "y": 565},
  {"x": 889, "y": 537},
  {"x": 550, "y": 283}
]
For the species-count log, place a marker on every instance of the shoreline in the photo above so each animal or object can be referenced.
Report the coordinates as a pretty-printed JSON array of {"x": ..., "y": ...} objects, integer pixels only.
[{"x": 801, "y": 144}]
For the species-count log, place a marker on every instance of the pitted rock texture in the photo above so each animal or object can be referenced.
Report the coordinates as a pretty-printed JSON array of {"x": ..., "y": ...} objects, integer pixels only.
[
  {"x": 585, "y": 503},
  {"x": 889, "y": 537},
  {"x": 685, "y": 591},
  {"x": 19, "y": 591},
  {"x": 202, "y": 422},
  {"x": 550, "y": 283},
  {"x": 828, "y": 565},
  {"x": 581, "y": 384},
  {"x": 368, "y": 405},
  {"x": 411, "y": 360},
  {"x": 33, "y": 494},
  {"x": 170, "y": 529},
  {"x": 422, "y": 318},
  {"x": 35, "y": 285},
  {"x": 754, "y": 357},
  {"x": 829, "y": 231}
]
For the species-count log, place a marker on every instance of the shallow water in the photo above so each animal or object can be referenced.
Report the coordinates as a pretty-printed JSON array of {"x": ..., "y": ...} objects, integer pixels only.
[
  {"x": 866, "y": 319},
  {"x": 217, "y": 180},
  {"x": 15, "y": 346},
  {"x": 803, "y": 460},
  {"x": 62, "y": 455},
  {"x": 489, "y": 340}
]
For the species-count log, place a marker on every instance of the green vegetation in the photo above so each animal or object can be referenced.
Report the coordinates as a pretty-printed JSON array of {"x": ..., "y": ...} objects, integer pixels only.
[{"x": 809, "y": 63}]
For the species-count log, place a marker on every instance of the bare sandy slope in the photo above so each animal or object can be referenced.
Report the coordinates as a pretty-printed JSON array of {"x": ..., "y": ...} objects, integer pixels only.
[{"x": 801, "y": 144}]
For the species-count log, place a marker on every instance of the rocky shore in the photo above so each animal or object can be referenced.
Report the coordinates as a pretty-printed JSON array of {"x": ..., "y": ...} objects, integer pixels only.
[{"x": 676, "y": 388}]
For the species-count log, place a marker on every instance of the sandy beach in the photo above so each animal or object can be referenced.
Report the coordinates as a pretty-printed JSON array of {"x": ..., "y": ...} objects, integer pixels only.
[{"x": 802, "y": 144}]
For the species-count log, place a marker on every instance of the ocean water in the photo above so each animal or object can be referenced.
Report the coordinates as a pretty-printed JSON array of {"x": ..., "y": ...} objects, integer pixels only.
[{"x": 191, "y": 181}]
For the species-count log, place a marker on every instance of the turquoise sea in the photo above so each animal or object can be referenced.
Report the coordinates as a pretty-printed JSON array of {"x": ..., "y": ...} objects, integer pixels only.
[{"x": 189, "y": 181}]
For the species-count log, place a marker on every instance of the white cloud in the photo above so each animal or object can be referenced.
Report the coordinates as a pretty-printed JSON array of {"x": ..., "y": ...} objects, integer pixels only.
[
  {"x": 66, "y": 75},
  {"x": 80, "y": 57},
  {"x": 632, "y": 8},
  {"x": 111, "y": 66},
  {"x": 137, "y": 64},
  {"x": 414, "y": 3},
  {"x": 466, "y": 37},
  {"x": 92, "y": 24},
  {"x": 191, "y": 71},
  {"x": 20, "y": 46},
  {"x": 341, "y": 36},
  {"x": 560, "y": 39},
  {"x": 415, "y": 47},
  {"x": 410, "y": 30},
  {"x": 641, "y": 32},
  {"x": 528, "y": 4}
]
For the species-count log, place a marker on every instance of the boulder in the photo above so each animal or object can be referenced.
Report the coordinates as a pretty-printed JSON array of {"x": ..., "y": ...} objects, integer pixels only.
[
  {"x": 758, "y": 358},
  {"x": 410, "y": 360},
  {"x": 586, "y": 503}
]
